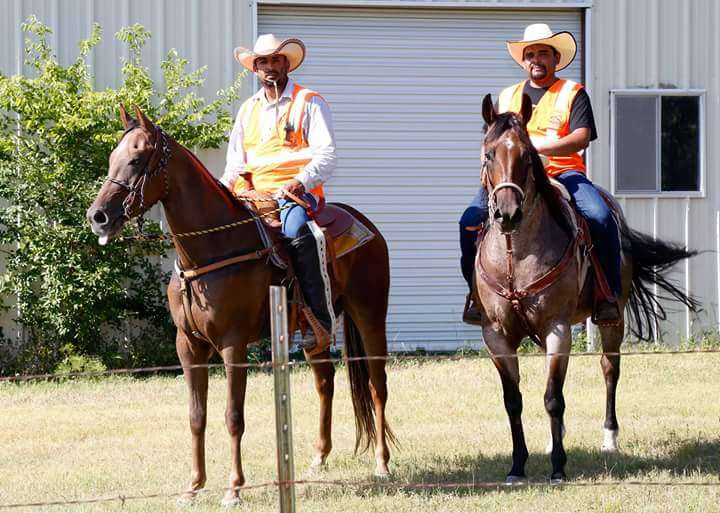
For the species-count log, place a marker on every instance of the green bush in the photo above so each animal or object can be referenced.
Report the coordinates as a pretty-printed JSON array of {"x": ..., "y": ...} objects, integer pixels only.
[{"x": 56, "y": 133}]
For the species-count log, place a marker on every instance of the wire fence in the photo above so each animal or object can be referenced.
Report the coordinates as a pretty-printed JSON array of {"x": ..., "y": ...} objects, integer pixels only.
[
  {"x": 375, "y": 485},
  {"x": 342, "y": 360},
  {"x": 359, "y": 485}
]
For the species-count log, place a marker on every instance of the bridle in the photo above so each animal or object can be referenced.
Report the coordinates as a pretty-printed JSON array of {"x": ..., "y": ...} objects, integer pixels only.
[
  {"x": 160, "y": 156},
  {"x": 494, "y": 189}
]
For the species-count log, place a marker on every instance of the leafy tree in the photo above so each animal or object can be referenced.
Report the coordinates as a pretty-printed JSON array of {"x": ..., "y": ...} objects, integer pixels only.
[{"x": 72, "y": 296}]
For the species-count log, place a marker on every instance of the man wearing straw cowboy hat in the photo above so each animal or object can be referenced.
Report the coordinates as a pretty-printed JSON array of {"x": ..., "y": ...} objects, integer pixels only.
[
  {"x": 561, "y": 127},
  {"x": 283, "y": 142}
]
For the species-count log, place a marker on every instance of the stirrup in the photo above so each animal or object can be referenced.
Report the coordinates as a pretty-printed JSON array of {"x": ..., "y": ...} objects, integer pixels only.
[
  {"x": 472, "y": 313},
  {"x": 322, "y": 340},
  {"x": 612, "y": 318}
]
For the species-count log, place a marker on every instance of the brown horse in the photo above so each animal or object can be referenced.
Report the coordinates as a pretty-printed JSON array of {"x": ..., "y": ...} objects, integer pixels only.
[
  {"x": 229, "y": 306},
  {"x": 532, "y": 279}
]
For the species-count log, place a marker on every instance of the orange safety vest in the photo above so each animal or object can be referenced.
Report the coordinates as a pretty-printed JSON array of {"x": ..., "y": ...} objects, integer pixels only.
[
  {"x": 550, "y": 120},
  {"x": 278, "y": 159}
]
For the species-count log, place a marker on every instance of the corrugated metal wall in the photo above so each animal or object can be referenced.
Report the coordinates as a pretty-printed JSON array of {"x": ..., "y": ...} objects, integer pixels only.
[
  {"x": 659, "y": 44},
  {"x": 405, "y": 88},
  {"x": 635, "y": 43}
]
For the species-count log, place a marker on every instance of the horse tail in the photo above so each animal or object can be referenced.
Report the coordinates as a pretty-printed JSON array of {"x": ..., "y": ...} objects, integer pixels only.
[
  {"x": 651, "y": 259},
  {"x": 359, "y": 375}
]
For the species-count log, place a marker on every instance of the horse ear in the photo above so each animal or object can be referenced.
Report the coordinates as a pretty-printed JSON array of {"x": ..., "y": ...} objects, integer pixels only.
[
  {"x": 144, "y": 121},
  {"x": 488, "y": 110},
  {"x": 526, "y": 109},
  {"x": 124, "y": 117}
]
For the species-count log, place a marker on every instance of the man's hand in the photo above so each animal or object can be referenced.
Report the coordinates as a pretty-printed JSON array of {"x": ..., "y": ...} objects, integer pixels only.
[{"x": 294, "y": 186}]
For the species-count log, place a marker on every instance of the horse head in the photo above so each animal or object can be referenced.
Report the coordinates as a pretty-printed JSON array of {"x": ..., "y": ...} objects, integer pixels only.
[
  {"x": 508, "y": 163},
  {"x": 137, "y": 176}
]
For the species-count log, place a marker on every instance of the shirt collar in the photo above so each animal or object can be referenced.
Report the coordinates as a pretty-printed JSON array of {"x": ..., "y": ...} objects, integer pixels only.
[{"x": 286, "y": 94}]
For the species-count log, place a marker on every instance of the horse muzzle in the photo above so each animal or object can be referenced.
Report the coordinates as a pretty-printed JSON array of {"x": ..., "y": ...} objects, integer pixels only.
[
  {"x": 508, "y": 219},
  {"x": 105, "y": 223}
]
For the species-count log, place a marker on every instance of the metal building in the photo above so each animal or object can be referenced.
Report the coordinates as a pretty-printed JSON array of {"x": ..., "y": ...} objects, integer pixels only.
[{"x": 405, "y": 80}]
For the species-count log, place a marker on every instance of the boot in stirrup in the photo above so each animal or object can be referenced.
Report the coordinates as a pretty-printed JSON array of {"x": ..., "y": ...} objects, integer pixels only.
[
  {"x": 308, "y": 254},
  {"x": 473, "y": 312}
]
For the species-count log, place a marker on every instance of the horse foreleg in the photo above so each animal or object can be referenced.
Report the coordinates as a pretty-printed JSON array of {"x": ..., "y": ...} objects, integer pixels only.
[
  {"x": 195, "y": 353},
  {"x": 509, "y": 369},
  {"x": 558, "y": 343},
  {"x": 235, "y": 416},
  {"x": 325, "y": 385},
  {"x": 612, "y": 337}
]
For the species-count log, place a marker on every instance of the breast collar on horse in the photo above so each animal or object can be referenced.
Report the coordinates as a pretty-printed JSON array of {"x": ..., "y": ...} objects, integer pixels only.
[
  {"x": 157, "y": 164},
  {"x": 511, "y": 293}
]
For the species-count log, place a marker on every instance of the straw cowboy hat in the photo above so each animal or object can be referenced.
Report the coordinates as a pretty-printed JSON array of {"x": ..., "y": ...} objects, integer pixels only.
[
  {"x": 268, "y": 44},
  {"x": 540, "y": 34}
]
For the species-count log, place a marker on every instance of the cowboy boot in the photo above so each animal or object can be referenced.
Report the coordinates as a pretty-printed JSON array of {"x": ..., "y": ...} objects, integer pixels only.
[
  {"x": 473, "y": 312},
  {"x": 308, "y": 263},
  {"x": 606, "y": 313}
]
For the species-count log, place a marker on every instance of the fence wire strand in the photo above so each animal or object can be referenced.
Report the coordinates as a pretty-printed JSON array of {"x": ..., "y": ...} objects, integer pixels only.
[
  {"x": 376, "y": 484},
  {"x": 301, "y": 363}
]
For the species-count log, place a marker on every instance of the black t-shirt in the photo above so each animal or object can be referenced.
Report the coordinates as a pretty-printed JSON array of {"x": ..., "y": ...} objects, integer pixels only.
[{"x": 581, "y": 114}]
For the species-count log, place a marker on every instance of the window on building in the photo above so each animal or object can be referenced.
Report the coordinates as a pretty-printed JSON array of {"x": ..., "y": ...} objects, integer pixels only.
[{"x": 657, "y": 141}]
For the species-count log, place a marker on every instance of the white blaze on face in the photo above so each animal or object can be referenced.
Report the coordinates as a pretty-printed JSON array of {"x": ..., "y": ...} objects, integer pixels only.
[{"x": 509, "y": 144}]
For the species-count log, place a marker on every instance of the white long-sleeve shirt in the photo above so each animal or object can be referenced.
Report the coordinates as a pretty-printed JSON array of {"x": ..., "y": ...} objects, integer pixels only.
[{"x": 317, "y": 129}]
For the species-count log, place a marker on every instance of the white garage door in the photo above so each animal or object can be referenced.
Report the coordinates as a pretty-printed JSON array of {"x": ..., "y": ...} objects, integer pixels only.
[{"x": 405, "y": 87}]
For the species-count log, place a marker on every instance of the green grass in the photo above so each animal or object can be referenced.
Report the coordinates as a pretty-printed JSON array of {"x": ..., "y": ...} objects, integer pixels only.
[{"x": 124, "y": 436}]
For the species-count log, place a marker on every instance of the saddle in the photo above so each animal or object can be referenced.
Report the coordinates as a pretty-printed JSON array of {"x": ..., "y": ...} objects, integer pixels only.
[
  {"x": 343, "y": 234},
  {"x": 586, "y": 253}
]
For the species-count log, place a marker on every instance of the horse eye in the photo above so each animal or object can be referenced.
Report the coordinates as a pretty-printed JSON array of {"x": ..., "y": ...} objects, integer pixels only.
[
  {"x": 489, "y": 156},
  {"x": 135, "y": 162}
]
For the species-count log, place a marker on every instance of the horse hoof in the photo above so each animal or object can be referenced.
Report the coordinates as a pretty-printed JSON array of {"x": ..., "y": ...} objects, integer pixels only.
[
  {"x": 511, "y": 480},
  {"x": 186, "y": 499},
  {"x": 383, "y": 475},
  {"x": 558, "y": 478},
  {"x": 231, "y": 499},
  {"x": 610, "y": 445}
]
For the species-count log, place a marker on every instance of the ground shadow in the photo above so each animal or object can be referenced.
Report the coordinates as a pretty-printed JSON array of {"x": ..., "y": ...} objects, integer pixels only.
[{"x": 688, "y": 457}]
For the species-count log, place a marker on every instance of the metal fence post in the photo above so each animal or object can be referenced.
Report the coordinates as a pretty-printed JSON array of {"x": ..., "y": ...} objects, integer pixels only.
[{"x": 283, "y": 418}]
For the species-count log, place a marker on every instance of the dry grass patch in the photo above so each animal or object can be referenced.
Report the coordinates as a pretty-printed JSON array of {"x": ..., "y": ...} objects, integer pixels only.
[{"x": 130, "y": 436}]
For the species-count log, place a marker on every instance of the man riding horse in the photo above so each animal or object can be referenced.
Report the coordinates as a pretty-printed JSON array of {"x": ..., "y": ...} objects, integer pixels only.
[
  {"x": 561, "y": 127},
  {"x": 283, "y": 142}
]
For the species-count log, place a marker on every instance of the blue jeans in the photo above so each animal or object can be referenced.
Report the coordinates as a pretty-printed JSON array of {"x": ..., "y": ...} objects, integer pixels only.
[
  {"x": 586, "y": 200},
  {"x": 295, "y": 217}
]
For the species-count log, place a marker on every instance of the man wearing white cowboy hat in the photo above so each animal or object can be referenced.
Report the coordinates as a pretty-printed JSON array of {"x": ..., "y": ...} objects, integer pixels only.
[
  {"x": 561, "y": 127},
  {"x": 283, "y": 140}
]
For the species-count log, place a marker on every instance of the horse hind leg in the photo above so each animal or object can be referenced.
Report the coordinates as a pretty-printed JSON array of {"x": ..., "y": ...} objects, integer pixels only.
[
  {"x": 612, "y": 337},
  {"x": 367, "y": 338}
]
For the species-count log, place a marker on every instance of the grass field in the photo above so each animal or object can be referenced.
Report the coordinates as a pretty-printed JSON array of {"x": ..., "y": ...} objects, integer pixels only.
[{"x": 123, "y": 436}]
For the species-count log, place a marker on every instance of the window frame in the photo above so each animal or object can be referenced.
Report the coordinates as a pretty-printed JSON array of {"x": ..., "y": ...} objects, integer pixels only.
[{"x": 700, "y": 93}]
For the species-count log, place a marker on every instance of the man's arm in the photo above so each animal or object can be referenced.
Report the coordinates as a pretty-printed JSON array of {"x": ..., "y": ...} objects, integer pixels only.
[
  {"x": 235, "y": 157},
  {"x": 321, "y": 139},
  {"x": 575, "y": 141},
  {"x": 582, "y": 129}
]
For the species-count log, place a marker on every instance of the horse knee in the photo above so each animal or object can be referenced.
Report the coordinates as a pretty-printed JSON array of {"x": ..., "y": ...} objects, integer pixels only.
[
  {"x": 514, "y": 406},
  {"x": 198, "y": 421},
  {"x": 325, "y": 386},
  {"x": 555, "y": 405},
  {"x": 235, "y": 422}
]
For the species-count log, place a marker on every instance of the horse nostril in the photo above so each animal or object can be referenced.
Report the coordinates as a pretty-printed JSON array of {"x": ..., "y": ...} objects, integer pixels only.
[
  {"x": 517, "y": 216},
  {"x": 99, "y": 217},
  {"x": 497, "y": 214}
]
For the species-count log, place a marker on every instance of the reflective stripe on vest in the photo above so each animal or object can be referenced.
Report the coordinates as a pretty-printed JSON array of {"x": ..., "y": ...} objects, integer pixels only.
[
  {"x": 550, "y": 120},
  {"x": 278, "y": 158}
]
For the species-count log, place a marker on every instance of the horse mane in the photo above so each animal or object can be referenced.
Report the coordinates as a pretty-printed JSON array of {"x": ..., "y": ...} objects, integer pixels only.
[{"x": 547, "y": 191}]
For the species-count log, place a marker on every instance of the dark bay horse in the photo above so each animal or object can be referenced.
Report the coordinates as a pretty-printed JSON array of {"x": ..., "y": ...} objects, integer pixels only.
[
  {"x": 531, "y": 278},
  {"x": 230, "y": 305}
]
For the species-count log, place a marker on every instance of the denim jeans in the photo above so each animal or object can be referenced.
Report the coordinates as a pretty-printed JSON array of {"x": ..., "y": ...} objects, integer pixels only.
[{"x": 295, "y": 217}]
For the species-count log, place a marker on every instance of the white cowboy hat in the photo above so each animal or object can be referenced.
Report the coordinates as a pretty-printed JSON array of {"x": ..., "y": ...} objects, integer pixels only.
[
  {"x": 540, "y": 34},
  {"x": 268, "y": 44}
]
